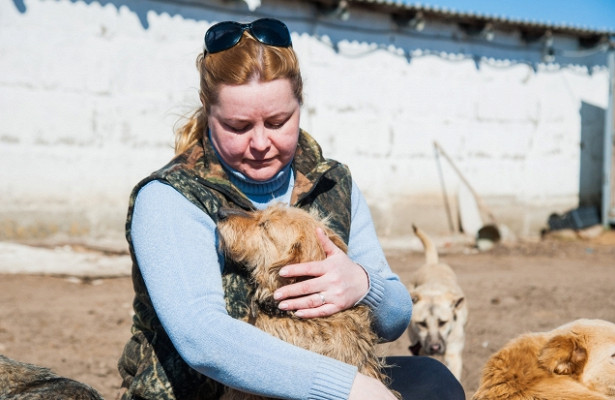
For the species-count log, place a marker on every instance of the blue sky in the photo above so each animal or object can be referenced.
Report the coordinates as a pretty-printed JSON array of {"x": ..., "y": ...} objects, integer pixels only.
[{"x": 592, "y": 14}]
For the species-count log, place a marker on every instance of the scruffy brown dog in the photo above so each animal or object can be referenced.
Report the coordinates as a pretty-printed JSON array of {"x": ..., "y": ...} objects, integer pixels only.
[
  {"x": 573, "y": 362},
  {"x": 23, "y": 381},
  {"x": 265, "y": 241}
]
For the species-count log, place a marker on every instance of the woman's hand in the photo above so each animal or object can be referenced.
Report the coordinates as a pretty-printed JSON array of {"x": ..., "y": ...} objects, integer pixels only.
[
  {"x": 337, "y": 283},
  {"x": 367, "y": 388}
]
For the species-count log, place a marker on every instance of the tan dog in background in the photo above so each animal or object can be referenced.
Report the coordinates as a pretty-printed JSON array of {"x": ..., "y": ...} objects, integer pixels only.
[
  {"x": 573, "y": 362},
  {"x": 439, "y": 313},
  {"x": 265, "y": 241}
]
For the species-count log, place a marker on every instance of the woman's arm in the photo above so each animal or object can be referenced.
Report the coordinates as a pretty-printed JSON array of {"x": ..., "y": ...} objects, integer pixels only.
[
  {"x": 175, "y": 245},
  {"x": 388, "y": 297},
  {"x": 362, "y": 275}
]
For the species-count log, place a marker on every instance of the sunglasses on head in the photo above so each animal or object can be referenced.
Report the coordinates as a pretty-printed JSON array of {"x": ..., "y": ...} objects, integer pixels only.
[{"x": 224, "y": 35}]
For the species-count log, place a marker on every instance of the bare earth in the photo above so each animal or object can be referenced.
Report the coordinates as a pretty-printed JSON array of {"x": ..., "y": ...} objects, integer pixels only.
[{"x": 78, "y": 327}]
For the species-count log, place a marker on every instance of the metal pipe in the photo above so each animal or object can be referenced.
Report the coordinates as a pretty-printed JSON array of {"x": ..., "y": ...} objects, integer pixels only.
[{"x": 608, "y": 210}]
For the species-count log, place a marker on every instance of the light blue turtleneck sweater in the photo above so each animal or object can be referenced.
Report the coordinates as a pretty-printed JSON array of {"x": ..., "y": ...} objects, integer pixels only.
[{"x": 177, "y": 251}]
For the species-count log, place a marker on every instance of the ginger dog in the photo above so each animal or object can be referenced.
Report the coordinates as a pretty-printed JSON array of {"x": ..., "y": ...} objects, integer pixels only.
[
  {"x": 573, "y": 362},
  {"x": 265, "y": 241},
  {"x": 440, "y": 312},
  {"x": 23, "y": 381}
]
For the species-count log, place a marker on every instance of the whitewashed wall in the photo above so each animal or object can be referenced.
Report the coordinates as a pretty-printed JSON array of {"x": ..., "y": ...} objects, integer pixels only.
[{"x": 90, "y": 92}]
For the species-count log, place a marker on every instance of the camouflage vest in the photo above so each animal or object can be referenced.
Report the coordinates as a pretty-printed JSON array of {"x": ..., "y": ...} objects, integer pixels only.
[{"x": 150, "y": 366}]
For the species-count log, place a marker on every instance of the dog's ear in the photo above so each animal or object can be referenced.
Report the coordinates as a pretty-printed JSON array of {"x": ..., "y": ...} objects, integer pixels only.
[
  {"x": 295, "y": 250},
  {"x": 564, "y": 355},
  {"x": 457, "y": 302},
  {"x": 293, "y": 256}
]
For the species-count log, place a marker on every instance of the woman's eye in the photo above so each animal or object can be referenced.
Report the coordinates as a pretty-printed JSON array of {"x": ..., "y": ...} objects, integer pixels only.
[
  {"x": 238, "y": 129},
  {"x": 278, "y": 122},
  {"x": 275, "y": 125}
]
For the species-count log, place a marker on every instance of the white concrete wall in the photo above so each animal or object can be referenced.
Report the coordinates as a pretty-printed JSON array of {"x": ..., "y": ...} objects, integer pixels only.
[{"x": 89, "y": 95}]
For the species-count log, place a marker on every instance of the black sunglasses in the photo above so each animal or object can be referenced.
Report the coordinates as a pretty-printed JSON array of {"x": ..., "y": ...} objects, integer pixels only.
[{"x": 224, "y": 35}]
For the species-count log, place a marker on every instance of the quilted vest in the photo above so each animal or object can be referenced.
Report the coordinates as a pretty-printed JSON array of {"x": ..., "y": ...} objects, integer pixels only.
[{"x": 150, "y": 366}]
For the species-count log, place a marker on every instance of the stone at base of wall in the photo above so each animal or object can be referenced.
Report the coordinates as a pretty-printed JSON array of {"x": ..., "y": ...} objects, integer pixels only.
[
  {"x": 53, "y": 226},
  {"x": 394, "y": 218},
  {"x": 105, "y": 225},
  {"x": 62, "y": 261}
]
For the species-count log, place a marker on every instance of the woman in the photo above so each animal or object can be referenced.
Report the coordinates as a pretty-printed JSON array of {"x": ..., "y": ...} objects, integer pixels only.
[{"x": 244, "y": 148}]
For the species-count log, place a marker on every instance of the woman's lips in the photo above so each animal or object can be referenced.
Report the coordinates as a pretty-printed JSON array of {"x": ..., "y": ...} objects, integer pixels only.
[{"x": 262, "y": 162}]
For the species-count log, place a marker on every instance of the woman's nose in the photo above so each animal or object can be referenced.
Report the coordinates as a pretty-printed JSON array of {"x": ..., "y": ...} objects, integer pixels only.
[{"x": 260, "y": 139}]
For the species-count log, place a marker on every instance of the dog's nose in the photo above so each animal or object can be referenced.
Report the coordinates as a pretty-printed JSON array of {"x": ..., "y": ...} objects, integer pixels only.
[
  {"x": 225, "y": 213},
  {"x": 435, "y": 348}
]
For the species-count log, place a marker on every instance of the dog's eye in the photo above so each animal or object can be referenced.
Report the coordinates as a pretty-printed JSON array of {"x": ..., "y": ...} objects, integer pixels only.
[
  {"x": 442, "y": 323},
  {"x": 422, "y": 324}
]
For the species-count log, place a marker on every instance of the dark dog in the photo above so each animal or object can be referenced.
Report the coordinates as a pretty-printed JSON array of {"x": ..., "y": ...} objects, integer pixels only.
[{"x": 23, "y": 381}]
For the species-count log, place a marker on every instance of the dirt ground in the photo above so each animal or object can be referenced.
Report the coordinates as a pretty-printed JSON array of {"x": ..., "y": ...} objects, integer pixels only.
[{"x": 78, "y": 327}]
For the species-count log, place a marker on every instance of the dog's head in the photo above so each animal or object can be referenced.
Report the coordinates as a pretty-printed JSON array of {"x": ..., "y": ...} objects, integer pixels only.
[
  {"x": 583, "y": 351},
  {"x": 266, "y": 240},
  {"x": 434, "y": 315}
]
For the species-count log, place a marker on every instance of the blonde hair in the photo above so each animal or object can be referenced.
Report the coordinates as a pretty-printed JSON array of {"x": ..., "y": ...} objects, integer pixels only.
[{"x": 238, "y": 65}]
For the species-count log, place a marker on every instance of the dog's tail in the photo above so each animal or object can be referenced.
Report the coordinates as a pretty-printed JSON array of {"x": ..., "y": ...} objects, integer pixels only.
[{"x": 431, "y": 253}]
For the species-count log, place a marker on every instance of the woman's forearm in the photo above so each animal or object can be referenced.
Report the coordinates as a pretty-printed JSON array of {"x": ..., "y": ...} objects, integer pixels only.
[{"x": 387, "y": 296}]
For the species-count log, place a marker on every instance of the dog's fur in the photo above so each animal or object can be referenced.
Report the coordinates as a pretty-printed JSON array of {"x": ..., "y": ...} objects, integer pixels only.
[
  {"x": 265, "y": 241},
  {"x": 573, "y": 362},
  {"x": 23, "y": 381},
  {"x": 440, "y": 312}
]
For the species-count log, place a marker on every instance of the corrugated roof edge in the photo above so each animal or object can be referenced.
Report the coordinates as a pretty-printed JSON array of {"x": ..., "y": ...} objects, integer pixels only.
[{"x": 446, "y": 13}]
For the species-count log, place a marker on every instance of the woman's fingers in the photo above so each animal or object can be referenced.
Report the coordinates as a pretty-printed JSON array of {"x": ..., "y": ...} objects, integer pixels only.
[
  {"x": 313, "y": 268},
  {"x": 317, "y": 306},
  {"x": 368, "y": 388},
  {"x": 310, "y": 306},
  {"x": 327, "y": 245},
  {"x": 318, "y": 312},
  {"x": 300, "y": 289}
]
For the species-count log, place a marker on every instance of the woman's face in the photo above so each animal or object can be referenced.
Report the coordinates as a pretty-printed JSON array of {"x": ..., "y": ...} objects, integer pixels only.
[{"x": 255, "y": 127}]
